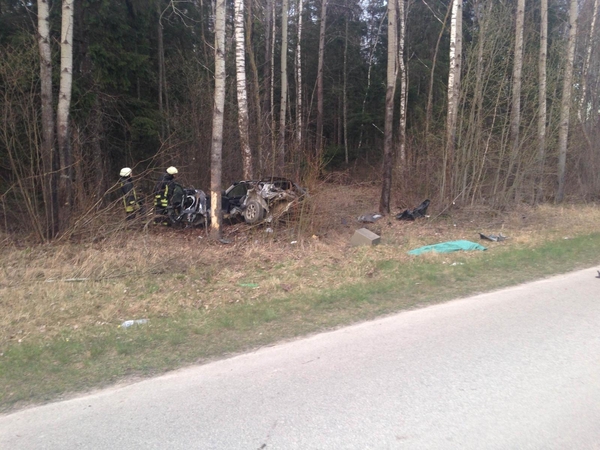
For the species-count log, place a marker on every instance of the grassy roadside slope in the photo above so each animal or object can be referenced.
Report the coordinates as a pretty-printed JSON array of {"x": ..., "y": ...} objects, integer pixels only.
[{"x": 63, "y": 337}]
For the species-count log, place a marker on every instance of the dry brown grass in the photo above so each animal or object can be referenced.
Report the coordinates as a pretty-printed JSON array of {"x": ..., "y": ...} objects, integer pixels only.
[{"x": 46, "y": 291}]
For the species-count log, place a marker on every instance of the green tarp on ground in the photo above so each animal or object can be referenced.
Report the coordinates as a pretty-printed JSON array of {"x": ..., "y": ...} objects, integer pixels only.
[{"x": 447, "y": 247}]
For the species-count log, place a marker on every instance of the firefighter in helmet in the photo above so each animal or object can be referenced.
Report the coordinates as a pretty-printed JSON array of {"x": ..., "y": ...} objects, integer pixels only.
[
  {"x": 128, "y": 193},
  {"x": 167, "y": 195}
]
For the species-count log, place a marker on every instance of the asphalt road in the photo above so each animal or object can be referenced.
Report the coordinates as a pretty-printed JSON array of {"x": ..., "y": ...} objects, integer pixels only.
[{"x": 514, "y": 369}]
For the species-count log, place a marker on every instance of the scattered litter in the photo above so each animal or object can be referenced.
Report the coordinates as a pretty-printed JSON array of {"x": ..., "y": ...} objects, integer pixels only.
[
  {"x": 294, "y": 242},
  {"x": 447, "y": 247},
  {"x": 269, "y": 230},
  {"x": 369, "y": 218},
  {"x": 248, "y": 285},
  {"x": 493, "y": 237},
  {"x": 129, "y": 323},
  {"x": 419, "y": 211},
  {"x": 457, "y": 264},
  {"x": 224, "y": 241},
  {"x": 68, "y": 280}
]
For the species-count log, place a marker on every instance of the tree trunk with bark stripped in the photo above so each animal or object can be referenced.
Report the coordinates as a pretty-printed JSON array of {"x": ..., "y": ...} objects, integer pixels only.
[{"x": 216, "y": 216}]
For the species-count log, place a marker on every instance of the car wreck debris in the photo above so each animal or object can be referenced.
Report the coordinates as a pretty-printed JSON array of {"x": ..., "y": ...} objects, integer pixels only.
[
  {"x": 129, "y": 323},
  {"x": 364, "y": 237},
  {"x": 257, "y": 200},
  {"x": 493, "y": 237},
  {"x": 419, "y": 211},
  {"x": 369, "y": 218}
]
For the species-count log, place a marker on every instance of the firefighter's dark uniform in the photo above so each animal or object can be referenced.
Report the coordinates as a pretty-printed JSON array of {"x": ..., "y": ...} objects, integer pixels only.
[
  {"x": 130, "y": 200},
  {"x": 167, "y": 198}
]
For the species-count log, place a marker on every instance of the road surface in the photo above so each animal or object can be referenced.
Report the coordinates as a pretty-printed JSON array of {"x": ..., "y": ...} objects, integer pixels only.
[{"x": 513, "y": 369}]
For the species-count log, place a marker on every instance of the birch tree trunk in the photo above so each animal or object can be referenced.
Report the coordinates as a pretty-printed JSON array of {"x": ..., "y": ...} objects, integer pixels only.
[
  {"x": 515, "y": 112},
  {"x": 453, "y": 95},
  {"x": 242, "y": 98},
  {"x": 299, "y": 124},
  {"x": 403, "y": 82},
  {"x": 565, "y": 105},
  {"x": 284, "y": 88},
  {"x": 49, "y": 161},
  {"x": 384, "y": 202},
  {"x": 542, "y": 99},
  {"x": 320, "y": 82},
  {"x": 586, "y": 65},
  {"x": 63, "y": 110},
  {"x": 217, "y": 128}
]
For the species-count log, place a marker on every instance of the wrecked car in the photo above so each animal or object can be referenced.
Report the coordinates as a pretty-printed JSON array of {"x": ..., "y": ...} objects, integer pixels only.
[
  {"x": 188, "y": 208},
  {"x": 256, "y": 200}
]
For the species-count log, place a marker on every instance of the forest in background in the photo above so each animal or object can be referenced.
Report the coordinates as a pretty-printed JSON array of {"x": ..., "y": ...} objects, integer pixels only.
[{"x": 455, "y": 100}]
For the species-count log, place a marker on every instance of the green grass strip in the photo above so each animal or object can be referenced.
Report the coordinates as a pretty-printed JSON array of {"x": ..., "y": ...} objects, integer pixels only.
[{"x": 33, "y": 372}]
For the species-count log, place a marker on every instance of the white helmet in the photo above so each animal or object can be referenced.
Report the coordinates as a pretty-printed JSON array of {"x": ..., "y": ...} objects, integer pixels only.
[
  {"x": 125, "y": 172},
  {"x": 172, "y": 170}
]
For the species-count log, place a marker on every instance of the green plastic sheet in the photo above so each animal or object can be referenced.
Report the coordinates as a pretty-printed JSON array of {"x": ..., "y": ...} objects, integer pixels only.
[{"x": 447, "y": 247}]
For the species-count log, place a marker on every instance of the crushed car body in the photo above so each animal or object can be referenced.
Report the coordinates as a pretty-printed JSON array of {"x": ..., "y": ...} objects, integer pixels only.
[
  {"x": 188, "y": 209},
  {"x": 257, "y": 200}
]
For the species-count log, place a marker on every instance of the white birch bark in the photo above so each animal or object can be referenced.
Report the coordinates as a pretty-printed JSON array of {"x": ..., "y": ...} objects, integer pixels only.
[
  {"x": 64, "y": 101},
  {"x": 217, "y": 128},
  {"x": 242, "y": 96},
  {"x": 565, "y": 105},
  {"x": 299, "y": 93},
  {"x": 453, "y": 94},
  {"x": 403, "y": 81},
  {"x": 583, "y": 113},
  {"x": 541, "y": 131},
  {"x": 284, "y": 87},
  {"x": 66, "y": 81},
  {"x": 47, "y": 146},
  {"x": 299, "y": 78},
  {"x": 45, "y": 78}
]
